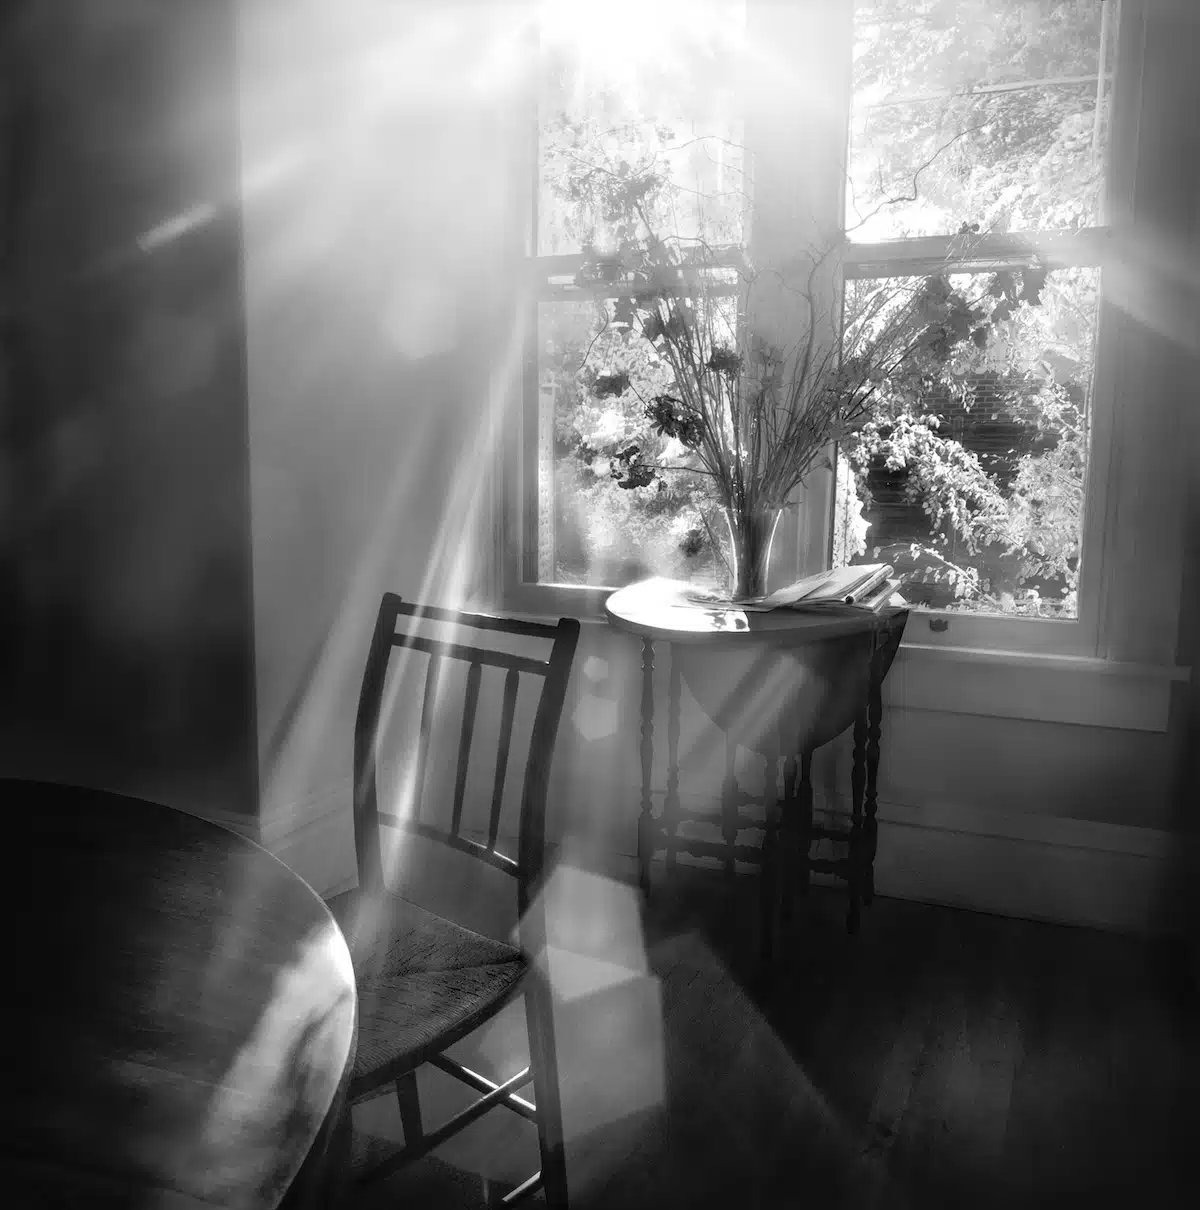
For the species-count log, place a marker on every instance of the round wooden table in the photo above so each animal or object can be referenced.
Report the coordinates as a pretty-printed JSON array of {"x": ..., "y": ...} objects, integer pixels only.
[
  {"x": 780, "y": 683},
  {"x": 184, "y": 1010}
]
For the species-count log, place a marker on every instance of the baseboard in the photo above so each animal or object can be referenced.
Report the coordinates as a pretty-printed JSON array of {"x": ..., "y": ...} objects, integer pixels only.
[
  {"x": 315, "y": 838},
  {"x": 1064, "y": 871},
  {"x": 1031, "y": 867}
]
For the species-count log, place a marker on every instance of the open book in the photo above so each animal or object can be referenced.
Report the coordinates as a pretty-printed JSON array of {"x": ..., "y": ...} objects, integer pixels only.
[{"x": 867, "y": 587}]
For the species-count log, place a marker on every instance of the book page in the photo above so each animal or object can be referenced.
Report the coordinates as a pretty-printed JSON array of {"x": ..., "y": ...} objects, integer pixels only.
[{"x": 829, "y": 586}]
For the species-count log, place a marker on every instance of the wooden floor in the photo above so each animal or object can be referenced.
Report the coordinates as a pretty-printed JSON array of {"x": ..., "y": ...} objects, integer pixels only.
[{"x": 939, "y": 1058}]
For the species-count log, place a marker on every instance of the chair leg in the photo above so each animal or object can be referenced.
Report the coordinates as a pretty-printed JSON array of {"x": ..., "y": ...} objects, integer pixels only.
[
  {"x": 321, "y": 1183},
  {"x": 494, "y": 1192},
  {"x": 334, "y": 1191},
  {"x": 410, "y": 1108},
  {"x": 543, "y": 1054}
]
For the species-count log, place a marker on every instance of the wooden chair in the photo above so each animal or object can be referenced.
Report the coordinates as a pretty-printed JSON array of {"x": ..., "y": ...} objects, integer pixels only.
[{"x": 424, "y": 981}]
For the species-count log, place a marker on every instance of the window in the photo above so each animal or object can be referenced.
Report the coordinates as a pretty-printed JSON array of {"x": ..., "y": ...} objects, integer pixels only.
[
  {"x": 979, "y": 150},
  {"x": 987, "y": 153}
]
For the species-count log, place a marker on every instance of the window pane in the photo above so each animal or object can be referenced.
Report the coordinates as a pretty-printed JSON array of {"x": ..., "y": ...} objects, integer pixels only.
[
  {"x": 629, "y": 89},
  {"x": 591, "y": 530},
  {"x": 1000, "y": 111},
  {"x": 971, "y": 480}
]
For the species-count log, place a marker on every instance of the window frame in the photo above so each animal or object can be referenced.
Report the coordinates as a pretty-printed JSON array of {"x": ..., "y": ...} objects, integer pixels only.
[
  {"x": 1086, "y": 247},
  {"x": 1082, "y": 636}
]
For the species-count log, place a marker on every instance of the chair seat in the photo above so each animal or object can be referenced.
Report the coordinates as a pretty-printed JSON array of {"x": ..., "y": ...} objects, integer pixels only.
[{"x": 423, "y": 983}]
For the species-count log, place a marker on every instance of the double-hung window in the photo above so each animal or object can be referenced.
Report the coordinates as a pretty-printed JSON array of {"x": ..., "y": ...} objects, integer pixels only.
[
  {"x": 982, "y": 150},
  {"x": 982, "y": 162}
]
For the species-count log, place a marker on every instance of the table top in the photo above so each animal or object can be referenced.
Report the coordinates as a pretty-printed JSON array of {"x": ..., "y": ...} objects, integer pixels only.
[
  {"x": 184, "y": 1008},
  {"x": 659, "y": 608}
]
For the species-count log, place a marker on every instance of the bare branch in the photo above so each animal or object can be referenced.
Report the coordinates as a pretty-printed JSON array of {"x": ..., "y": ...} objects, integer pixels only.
[{"x": 904, "y": 197}]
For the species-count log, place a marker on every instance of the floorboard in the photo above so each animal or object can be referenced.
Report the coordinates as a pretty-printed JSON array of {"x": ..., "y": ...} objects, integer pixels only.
[{"x": 939, "y": 1058}]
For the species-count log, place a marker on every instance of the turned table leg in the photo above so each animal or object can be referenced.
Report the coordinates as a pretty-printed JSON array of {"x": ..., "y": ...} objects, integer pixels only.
[
  {"x": 858, "y": 779},
  {"x": 730, "y": 796},
  {"x": 870, "y": 827},
  {"x": 646, "y": 822},
  {"x": 804, "y": 820},
  {"x": 791, "y": 831},
  {"x": 770, "y": 885},
  {"x": 670, "y": 816}
]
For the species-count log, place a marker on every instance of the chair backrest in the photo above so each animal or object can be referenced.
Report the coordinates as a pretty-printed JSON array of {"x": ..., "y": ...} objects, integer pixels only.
[{"x": 395, "y": 627}]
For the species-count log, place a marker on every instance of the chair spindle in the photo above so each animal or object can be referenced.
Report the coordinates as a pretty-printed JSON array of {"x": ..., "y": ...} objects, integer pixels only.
[
  {"x": 431, "y": 675},
  {"x": 506, "y": 723},
  {"x": 464, "y": 744}
]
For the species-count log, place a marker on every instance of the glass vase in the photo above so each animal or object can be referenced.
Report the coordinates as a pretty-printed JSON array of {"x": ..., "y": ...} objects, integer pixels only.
[{"x": 751, "y": 534}]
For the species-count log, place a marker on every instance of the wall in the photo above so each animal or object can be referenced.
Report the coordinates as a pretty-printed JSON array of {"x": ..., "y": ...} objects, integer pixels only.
[
  {"x": 124, "y": 543},
  {"x": 372, "y": 206}
]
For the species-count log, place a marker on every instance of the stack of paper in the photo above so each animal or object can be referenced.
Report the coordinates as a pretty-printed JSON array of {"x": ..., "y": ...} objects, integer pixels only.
[{"x": 865, "y": 587}]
